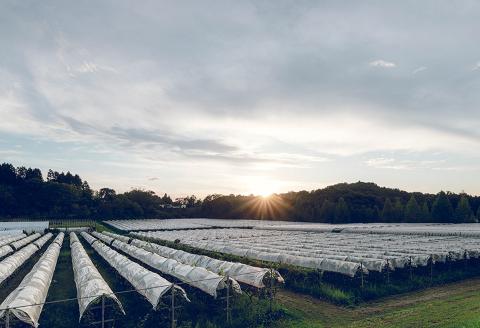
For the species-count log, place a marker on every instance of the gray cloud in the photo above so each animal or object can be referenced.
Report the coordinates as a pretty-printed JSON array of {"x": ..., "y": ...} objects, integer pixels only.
[{"x": 245, "y": 83}]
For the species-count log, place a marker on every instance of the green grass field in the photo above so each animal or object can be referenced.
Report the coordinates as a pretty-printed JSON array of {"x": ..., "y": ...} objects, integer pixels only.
[{"x": 451, "y": 305}]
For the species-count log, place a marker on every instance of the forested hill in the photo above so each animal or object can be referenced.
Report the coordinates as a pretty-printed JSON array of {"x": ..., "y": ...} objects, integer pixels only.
[
  {"x": 348, "y": 203},
  {"x": 24, "y": 192}
]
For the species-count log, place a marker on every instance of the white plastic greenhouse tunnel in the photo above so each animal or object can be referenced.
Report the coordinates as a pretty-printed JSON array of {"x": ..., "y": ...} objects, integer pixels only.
[
  {"x": 147, "y": 283},
  {"x": 11, "y": 263},
  {"x": 197, "y": 277},
  {"x": 25, "y": 303},
  {"x": 91, "y": 288},
  {"x": 244, "y": 273}
]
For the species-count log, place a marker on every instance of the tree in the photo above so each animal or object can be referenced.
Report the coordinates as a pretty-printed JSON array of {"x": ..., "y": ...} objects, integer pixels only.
[
  {"x": 413, "y": 212},
  {"x": 388, "y": 213},
  {"x": 34, "y": 174},
  {"x": 442, "y": 210},
  {"x": 425, "y": 212},
  {"x": 166, "y": 199},
  {"x": 399, "y": 211},
  {"x": 463, "y": 212},
  {"x": 8, "y": 175},
  {"x": 327, "y": 211},
  {"x": 106, "y": 194},
  {"x": 342, "y": 213},
  {"x": 52, "y": 175}
]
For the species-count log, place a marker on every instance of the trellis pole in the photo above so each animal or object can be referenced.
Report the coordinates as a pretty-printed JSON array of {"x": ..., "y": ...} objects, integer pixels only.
[
  {"x": 410, "y": 268},
  {"x": 228, "y": 300},
  {"x": 271, "y": 289},
  {"x": 173, "y": 307},
  {"x": 361, "y": 274},
  {"x": 103, "y": 311},
  {"x": 431, "y": 270},
  {"x": 388, "y": 272}
]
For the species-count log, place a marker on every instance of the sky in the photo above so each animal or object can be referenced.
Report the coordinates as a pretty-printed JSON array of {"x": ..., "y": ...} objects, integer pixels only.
[{"x": 201, "y": 97}]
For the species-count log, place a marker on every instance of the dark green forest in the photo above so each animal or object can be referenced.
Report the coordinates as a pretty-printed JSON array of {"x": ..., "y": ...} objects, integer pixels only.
[{"x": 26, "y": 193}]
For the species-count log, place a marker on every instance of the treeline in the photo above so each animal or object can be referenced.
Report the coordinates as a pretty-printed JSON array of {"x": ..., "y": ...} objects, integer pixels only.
[
  {"x": 24, "y": 193},
  {"x": 348, "y": 203}
]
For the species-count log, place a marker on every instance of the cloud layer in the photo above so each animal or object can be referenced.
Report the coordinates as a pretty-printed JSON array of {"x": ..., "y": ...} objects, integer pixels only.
[{"x": 200, "y": 95}]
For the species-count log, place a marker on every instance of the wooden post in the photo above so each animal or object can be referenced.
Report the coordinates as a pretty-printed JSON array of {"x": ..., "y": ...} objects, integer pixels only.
[
  {"x": 103, "y": 311},
  {"x": 228, "y": 300},
  {"x": 431, "y": 270},
  {"x": 361, "y": 274},
  {"x": 173, "y": 306},
  {"x": 271, "y": 288},
  {"x": 388, "y": 272},
  {"x": 410, "y": 269},
  {"x": 7, "y": 320}
]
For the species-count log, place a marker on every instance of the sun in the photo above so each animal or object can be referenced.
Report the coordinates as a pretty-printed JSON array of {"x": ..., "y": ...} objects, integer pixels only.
[
  {"x": 265, "y": 193},
  {"x": 262, "y": 187}
]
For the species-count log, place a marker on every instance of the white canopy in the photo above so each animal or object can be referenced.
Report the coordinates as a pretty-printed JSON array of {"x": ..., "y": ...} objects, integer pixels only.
[
  {"x": 197, "y": 277},
  {"x": 91, "y": 287},
  {"x": 149, "y": 284},
  {"x": 14, "y": 261},
  {"x": 247, "y": 274},
  {"x": 26, "y": 301}
]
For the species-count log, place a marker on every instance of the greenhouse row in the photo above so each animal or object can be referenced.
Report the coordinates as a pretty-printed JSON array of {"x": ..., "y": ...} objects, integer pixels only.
[
  {"x": 197, "y": 277},
  {"x": 149, "y": 284},
  {"x": 11, "y": 263},
  {"x": 91, "y": 287},
  {"x": 175, "y": 224},
  {"x": 7, "y": 239},
  {"x": 421, "y": 229},
  {"x": 246, "y": 274},
  {"x": 334, "y": 252},
  {"x": 26, "y": 301},
  {"x": 27, "y": 226}
]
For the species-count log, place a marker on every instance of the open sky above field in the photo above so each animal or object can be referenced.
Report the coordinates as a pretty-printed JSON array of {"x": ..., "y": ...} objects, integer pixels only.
[{"x": 243, "y": 96}]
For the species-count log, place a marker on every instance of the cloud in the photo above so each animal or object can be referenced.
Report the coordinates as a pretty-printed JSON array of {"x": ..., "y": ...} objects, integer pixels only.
[
  {"x": 402, "y": 164},
  {"x": 255, "y": 87},
  {"x": 419, "y": 69},
  {"x": 477, "y": 66},
  {"x": 382, "y": 63}
]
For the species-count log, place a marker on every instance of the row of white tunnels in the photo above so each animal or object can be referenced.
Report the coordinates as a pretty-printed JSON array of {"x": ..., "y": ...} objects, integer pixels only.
[{"x": 204, "y": 273}]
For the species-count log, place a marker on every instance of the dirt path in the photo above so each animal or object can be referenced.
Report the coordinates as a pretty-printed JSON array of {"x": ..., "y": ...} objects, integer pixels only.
[{"x": 331, "y": 315}]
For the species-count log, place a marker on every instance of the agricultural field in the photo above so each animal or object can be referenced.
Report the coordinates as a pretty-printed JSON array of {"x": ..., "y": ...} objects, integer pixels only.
[{"x": 245, "y": 274}]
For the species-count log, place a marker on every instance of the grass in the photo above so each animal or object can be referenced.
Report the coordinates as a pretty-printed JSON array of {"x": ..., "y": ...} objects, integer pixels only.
[{"x": 448, "y": 306}]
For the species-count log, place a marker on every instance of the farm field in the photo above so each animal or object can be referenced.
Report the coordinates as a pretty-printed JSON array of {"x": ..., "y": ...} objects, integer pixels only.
[
  {"x": 300, "y": 275},
  {"x": 450, "y": 305}
]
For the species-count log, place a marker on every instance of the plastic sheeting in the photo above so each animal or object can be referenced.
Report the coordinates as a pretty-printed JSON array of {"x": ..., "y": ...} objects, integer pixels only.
[
  {"x": 419, "y": 229},
  {"x": 26, "y": 301},
  {"x": 247, "y": 274},
  {"x": 27, "y": 226},
  {"x": 91, "y": 287},
  {"x": 9, "y": 239},
  {"x": 14, "y": 261},
  {"x": 376, "y": 252},
  {"x": 5, "y": 250},
  {"x": 266, "y": 254},
  {"x": 149, "y": 284},
  {"x": 74, "y": 229},
  {"x": 22, "y": 242},
  {"x": 194, "y": 223},
  {"x": 198, "y": 277},
  {"x": 7, "y": 233}
]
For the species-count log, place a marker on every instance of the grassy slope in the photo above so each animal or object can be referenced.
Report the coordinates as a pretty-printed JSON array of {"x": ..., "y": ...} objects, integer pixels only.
[{"x": 452, "y": 305}]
